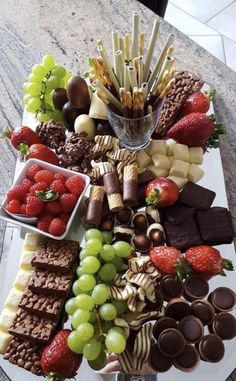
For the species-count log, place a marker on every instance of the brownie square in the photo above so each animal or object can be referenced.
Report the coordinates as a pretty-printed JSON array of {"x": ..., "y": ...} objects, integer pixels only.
[
  {"x": 197, "y": 196},
  {"x": 177, "y": 213}
]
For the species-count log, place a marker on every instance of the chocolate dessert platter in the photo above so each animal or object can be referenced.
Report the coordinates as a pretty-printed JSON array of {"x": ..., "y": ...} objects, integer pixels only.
[{"x": 125, "y": 258}]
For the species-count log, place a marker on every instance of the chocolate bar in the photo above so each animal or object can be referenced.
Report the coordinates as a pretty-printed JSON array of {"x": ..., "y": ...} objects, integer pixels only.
[
  {"x": 197, "y": 196},
  {"x": 32, "y": 327},
  {"x": 94, "y": 211},
  {"x": 215, "y": 226},
  {"x": 45, "y": 282},
  {"x": 130, "y": 185},
  {"x": 56, "y": 255},
  {"x": 177, "y": 213},
  {"x": 112, "y": 188},
  {"x": 145, "y": 177},
  {"x": 46, "y": 306}
]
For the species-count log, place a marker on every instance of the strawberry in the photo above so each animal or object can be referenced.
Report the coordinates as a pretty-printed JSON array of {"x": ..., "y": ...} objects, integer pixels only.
[
  {"x": 58, "y": 359},
  {"x": 34, "y": 206},
  {"x": 23, "y": 209},
  {"x": 206, "y": 260},
  {"x": 27, "y": 183},
  {"x": 41, "y": 186},
  {"x": 169, "y": 261},
  {"x": 40, "y": 152},
  {"x": 54, "y": 208},
  {"x": 22, "y": 135},
  {"x": 162, "y": 192},
  {"x": 75, "y": 185},
  {"x": 193, "y": 130},
  {"x": 44, "y": 222},
  {"x": 197, "y": 102},
  {"x": 14, "y": 206},
  {"x": 64, "y": 217},
  {"x": 58, "y": 186},
  {"x": 44, "y": 175},
  {"x": 68, "y": 202},
  {"x": 59, "y": 176},
  {"x": 18, "y": 192},
  {"x": 33, "y": 169},
  {"x": 57, "y": 227}
]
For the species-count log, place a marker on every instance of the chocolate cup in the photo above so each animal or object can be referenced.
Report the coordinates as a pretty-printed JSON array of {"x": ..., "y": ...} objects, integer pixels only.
[
  {"x": 171, "y": 287},
  {"x": 223, "y": 299},
  {"x": 171, "y": 342},
  {"x": 195, "y": 287},
  {"x": 157, "y": 305},
  {"x": 224, "y": 325},
  {"x": 188, "y": 359},
  {"x": 140, "y": 222},
  {"x": 124, "y": 216},
  {"x": 141, "y": 242},
  {"x": 162, "y": 324},
  {"x": 191, "y": 328},
  {"x": 203, "y": 310},
  {"x": 178, "y": 308},
  {"x": 211, "y": 348},
  {"x": 157, "y": 361}
]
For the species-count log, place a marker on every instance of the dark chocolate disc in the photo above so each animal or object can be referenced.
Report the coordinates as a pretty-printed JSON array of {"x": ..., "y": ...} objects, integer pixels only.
[
  {"x": 178, "y": 308},
  {"x": 188, "y": 359},
  {"x": 171, "y": 342},
  {"x": 211, "y": 348},
  {"x": 203, "y": 310},
  {"x": 192, "y": 329},
  {"x": 222, "y": 298},
  {"x": 158, "y": 361},
  {"x": 224, "y": 325},
  {"x": 171, "y": 287},
  {"x": 162, "y": 324},
  {"x": 196, "y": 287}
]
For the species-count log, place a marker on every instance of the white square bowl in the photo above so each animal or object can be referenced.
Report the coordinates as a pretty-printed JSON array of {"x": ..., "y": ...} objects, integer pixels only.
[{"x": 55, "y": 169}]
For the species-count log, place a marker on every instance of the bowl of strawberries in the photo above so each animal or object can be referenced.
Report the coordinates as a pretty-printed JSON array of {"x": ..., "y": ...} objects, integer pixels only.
[{"x": 44, "y": 198}]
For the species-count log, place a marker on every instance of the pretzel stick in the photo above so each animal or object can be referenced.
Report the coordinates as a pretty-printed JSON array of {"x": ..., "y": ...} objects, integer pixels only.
[
  {"x": 152, "y": 43},
  {"x": 135, "y": 35},
  {"x": 167, "y": 65},
  {"x": 123, "y": 99},
  {"x": 141, "y": 44},
  {"x": 115, "y": 47},
  {"x": 140, "y": 103},
  {"x": 135, "y": 102},
  {"x": 144, "y": 89},
  {"x": 120, "y": 65},
  {"x": 122, "y": 46},
  {"x": 101, "y": 43},
  {"x": 168, "y": 87},
  {"x": 108, "y": 94},
  {"x": 126, "y": 77},
  {"x": 170, "y": 51},
  {"x": 109, "y": 69},
  {"x": 132, "y": 76},
  {"x": 140, "y": 71},
  {"x": 127, "y": 48},
  {"x": 129, "y": 104}
]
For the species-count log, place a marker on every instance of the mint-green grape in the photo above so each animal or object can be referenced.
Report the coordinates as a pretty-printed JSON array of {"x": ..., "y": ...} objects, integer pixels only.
[
  {"x": 85, "y": 331},
  {"x": 84, "y": 302},
  {"x": 32, "y": 78},
  {"x": 34, "y": 103},
  {"x": 107, "y": 311},
  {"x": 76, "y": 290},
  {"x": 52, "y": 83},
  {"x": 92, "y": 349},
  {"x": 39, "y": 71},
  {"x": 93, "y": 317},
  {"x": 107, "y": 253},
  {"x": 93, "y": 233},
  {"x": 79, "y": 316},
  {"x": 107, "y": 272},
  {"x": 86, "y": 282},
  {"x": 100, "y": 294},
  {"x": 107, "y": 325},
  {"x": 117, "y": 262},
  {"x": 121, "y": 306},
  {"x": 107, "y": 237},
  {"x": 34, "y": 88},
  {"x": 57, "y": 116},
  {"x": 26, "y": 98},
  {"x": 119, "y": 330},
  {"x": 48, "y": 61},
  {"x": 79, "y": 271},
  {"x": 99, "y": 362},
  {"x": 25, "y": 87},
  {"x": 43, "y": 117},
  {"x": 115, "y": 342},
  {"x": 90, "y": 265},
  {"x": 74, "y": 343},
  {"x": 67, "y": 77},
  {"x": 122, "y": 249},
  {"x": 83, "y": 254},
  {"x": 93, "y": 246},
  {"x": 59, "y": 71},
  {"x": 48, "y": 100},
  {"x": 71, "y": 306}
]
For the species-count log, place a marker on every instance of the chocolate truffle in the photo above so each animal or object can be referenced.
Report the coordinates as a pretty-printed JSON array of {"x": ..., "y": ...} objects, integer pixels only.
[
  {"x": 178, "y": 308},
  {"x": 188, "y": 359},
  {"x": 171, "y": 287},
  {"x": 124, "y": 216},
  {"x": 203, "y": 310},
  {"x": 197, "y": 196},
  {"x": 211, "y": 348},
  {"x": 223, "y": 299},
  {"x": 141, "y": 243},
  {"x": 195, "y": 287},
  {"x": 191, "y": 328},
  {"x": 107, "y": 224},
  {"x": 140, "y": 222},
  {"x": 156, "y": 234},
  {"x": 162, "y": 324},
  {"x": 158, "y": 361},
  {"x": 224, "y": 325},
  {"x": 171, "y": 342}
]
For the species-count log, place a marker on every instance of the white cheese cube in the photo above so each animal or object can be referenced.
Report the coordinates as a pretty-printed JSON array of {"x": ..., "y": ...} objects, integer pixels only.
[
  {"x": 179, "y": 181},
  {"x": 196, "y": 155},
  {"x": 179, "y": 168},
  {"x": 14, "y": 298},
  {"x": 195, "y": 173},
  {"x": 25, "y": 260},
  {"x": 169, "y": 147},
  {"x": 6, "y": 319},
  {"x": 5, "y": 339},
  {"x": 156, "y": 146},
  {"x": 143, "y": 159},
  {"x": 32, "y": 241},
  {"x": 22, "y": 279},
  {"x": 159, "y": 172},
  {"x": 181, "y": 152},
  {"x": 161, "y": 161}
]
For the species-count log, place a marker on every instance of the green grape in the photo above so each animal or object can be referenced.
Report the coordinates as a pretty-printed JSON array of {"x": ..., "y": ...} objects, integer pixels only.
[
  {"x": 25, "y": 87},
  {"x": 59, "y": 71},
  {"x": 90, "y": 265},
  {"x": 85, "y": 331},
  {"x": 93, "y": 233},
  {"x": 48, "y": 61},
  {"x": 79, "y": 271},
  {"x": 43, "y": 117},
  {"x": 92, "y": 349},
  {"x": 107, "y": 253},
  {"x": 29, "y": 109},
  {"x": 117, "y": 262},
  {"x": 57, "y": 116},
  {"x": 107, "y": 272},
  {"x": 67, "y": 77},
  {"x": 86, "y": 282},
  {"x": 74, "y": 343},
  {"x": 93, "y": 246},
  {"x": 122, "y": 249},
  {"x": 99, "y": 362},
  {"x": 52, "y": 83},
  {"x": 107, "y": 311},
  {"x": 83, "y": 254},
  {"x": 48, "y": 100},
  {"x": 121, "y": 306},
  {"x": 107, "y": 237},
  {"x": 107, "y": 325},
  {"x": 100, "y": 294},
  {"x": 84, "y": 302},
  {"x": 93, "y": 317},
  {"x": 119, "y": 330},
  {"x": 26, "y": 98},
  {"x": 80, "y": 316},
  {"x": 34, "y": 88},
  {"x": 71, "y": 306},
  {"x": 32, "y": 78},
  {"x": 115, "y": 342},
  {"x": 34, "y": 103},
  {"x": 39, "y": 71},
  {"x": 76, "y": 290}
]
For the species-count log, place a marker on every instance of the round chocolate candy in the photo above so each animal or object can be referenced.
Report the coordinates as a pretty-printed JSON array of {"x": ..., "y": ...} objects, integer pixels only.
[
  {"x": 224, "y": 325},
  {"x": 141, "y": 243},
  {"x": 162, "y": 324},
  {"x": 223, "y": 299},
  {"x": 171, "y": 287},
  {"x": 203, "y": 310},
  {"x": 140, "y": 222},
  {"x": 107, "y": 224},
  {"x": 211, "y": 348},
  {"x": 171, "y": 342},
  {"x": 156, "y": 306},
  {"x": 124, "y": 216},
  {"x": 152, "y": 214},
  {"x": 157, "y": 361},
  {"x": 188, "y": 359},
  {"x": 192, "y": 328},
  {"x": 178, "y": 308},
  {"x": 156, "y": 234},
  {"x": 195, "y": 287}
]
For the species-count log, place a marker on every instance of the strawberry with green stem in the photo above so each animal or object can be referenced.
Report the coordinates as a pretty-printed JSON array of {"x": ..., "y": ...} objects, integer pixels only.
[
  {"x": 197, "y": 102},
  {"x": 162, "y": 192}
]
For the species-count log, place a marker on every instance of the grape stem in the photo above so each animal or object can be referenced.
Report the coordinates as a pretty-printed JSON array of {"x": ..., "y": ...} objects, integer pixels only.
[{"x": 101, "y": 333}]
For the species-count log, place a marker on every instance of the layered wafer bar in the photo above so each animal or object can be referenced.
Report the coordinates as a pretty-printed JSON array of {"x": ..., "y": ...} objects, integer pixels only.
[
  {"x": 112, "y": 188},
  {"x": 46, "y": 282},
  {"x": 94, "y": 211},
  {"x": 130, "y": 185}
]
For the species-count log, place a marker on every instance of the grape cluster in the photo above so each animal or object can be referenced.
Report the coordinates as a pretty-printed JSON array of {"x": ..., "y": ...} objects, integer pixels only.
[
  {"x": 93, "y": 312},
  {"x": 43, "y": 80}
]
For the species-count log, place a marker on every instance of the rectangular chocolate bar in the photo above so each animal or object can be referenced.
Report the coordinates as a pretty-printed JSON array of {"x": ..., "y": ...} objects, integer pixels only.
[
  {"x": 25, "y": 355},
  {"x": 46, "y": 306},
  {"x": 197, "y": 196},
  {"x": 182, "y": 236},
  {"x": 215, "y": 226},
  {"x": 145, "y": 177},
  {"x": 31, "y": 327},
  {"x": 56, "y": 255},
  {"x": 46, "y": 282},
  {"x": 177, "y": 213}
]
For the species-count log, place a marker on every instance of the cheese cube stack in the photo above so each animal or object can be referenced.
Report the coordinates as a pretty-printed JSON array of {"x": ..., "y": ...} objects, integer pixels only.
[
  {"x": 5, "y": 339},
  {"x": 32, "y": 241}
]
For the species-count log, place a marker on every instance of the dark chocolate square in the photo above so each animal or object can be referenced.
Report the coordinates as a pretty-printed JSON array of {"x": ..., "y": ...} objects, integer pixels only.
[
  {"x": 197, "y": 196},
  {"x": 215, "y": 226},
  {"x": 177, "y": 213}
]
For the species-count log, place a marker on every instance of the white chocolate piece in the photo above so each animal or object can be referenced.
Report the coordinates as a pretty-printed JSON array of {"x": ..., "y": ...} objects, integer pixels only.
[
  {"x": 159, "y": 172},
  {"x": 83, "y": 123},
  {"x": 14, "y": 298},
  {"x": 179, "y": 168},
  {"x": 97, "y": 108},
  {"x": 195, "y": 173},
  {"x": 25, "y": 260},
  {"x": 156, "y": 146},
  {"x": 171, "y": 158},
  {"x": 5, "y": 339},
  {"x": 179, "y": 181},
  {"x": 22, "y": 279},
  {"x": 161, "y": 161},
  {"x": 6, "y": 319},
  {"x": 181, "y": 152},
  {"x": 169, "y": 147},
  {"x": 32, "y": 241},
  {"x": 143, "y": 159},
  {"x": 196, "y": 155}
]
